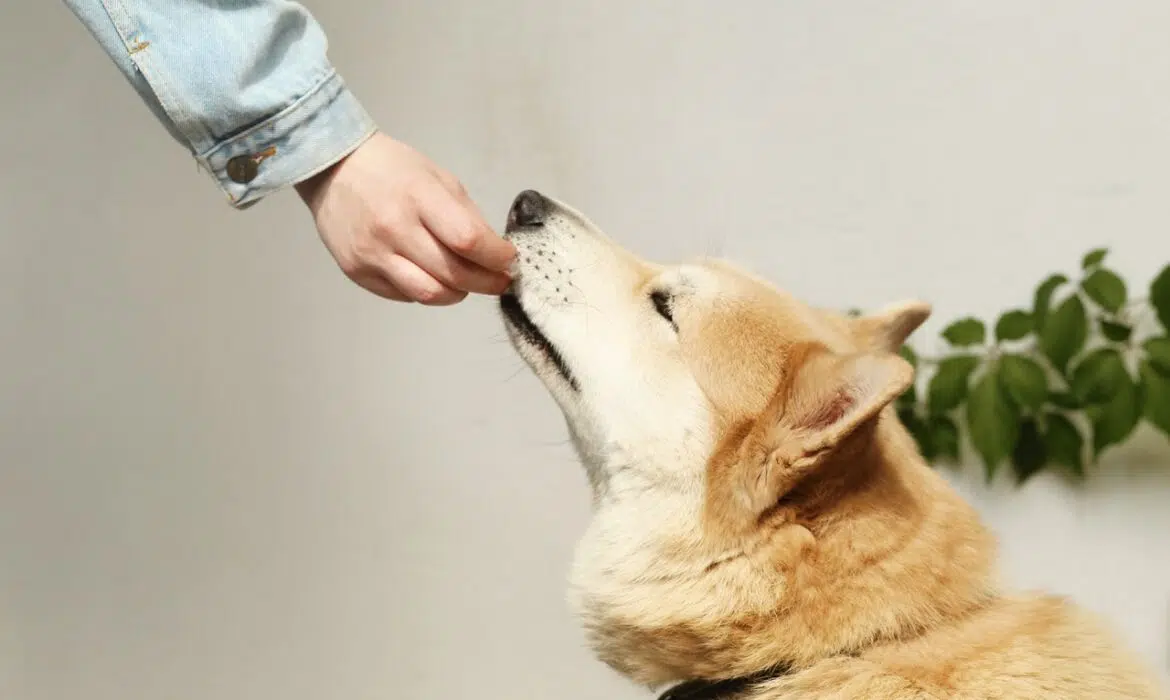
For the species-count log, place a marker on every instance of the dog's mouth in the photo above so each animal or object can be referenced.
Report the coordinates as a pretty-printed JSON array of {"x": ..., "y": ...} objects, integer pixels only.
[{"x": 531, "y": 334}]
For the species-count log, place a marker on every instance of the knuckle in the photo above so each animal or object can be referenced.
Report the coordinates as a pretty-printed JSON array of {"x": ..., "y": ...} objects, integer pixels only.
[
  {"x": 392, "y": 220},
  {"x": 351, "y": 263},
  {"x": 464, "y": 239},
  {"x": 362, "y": 252},
  {"x": 454, "y": 184},
  {"x": 430, "y": 294}
]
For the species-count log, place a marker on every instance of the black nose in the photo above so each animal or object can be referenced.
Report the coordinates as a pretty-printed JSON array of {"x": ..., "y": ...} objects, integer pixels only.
[{"x": 528, "y": 209}]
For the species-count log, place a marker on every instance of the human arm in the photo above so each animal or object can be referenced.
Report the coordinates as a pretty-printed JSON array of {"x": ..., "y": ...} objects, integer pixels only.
[
  {"x": 248, "y": 89},
  {"x": 245, "y": 86}
]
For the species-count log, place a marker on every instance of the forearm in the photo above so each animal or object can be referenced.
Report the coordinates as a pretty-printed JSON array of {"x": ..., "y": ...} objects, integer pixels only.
[{"x": 245, "y": 86}]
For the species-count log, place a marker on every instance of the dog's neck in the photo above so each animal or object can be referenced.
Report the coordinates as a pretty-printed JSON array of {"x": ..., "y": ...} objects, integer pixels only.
[{"x": 930, "y": 561}]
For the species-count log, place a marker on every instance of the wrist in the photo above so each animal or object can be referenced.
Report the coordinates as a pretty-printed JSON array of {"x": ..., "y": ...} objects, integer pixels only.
[{"x": 311, "y": 187}]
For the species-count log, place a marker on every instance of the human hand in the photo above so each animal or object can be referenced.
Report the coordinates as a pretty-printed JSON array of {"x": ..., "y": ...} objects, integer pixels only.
[{"x": 405, "y": 229}]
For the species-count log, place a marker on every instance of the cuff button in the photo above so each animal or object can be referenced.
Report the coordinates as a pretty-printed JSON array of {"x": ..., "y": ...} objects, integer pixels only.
[{"x": 242, "y": 169}]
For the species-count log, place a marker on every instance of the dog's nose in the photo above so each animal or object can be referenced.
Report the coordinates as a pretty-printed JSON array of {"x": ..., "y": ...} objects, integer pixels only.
[{"x": 528, "y": 209}]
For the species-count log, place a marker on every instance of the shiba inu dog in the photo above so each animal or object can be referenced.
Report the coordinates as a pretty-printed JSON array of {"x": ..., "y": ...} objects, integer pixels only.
[{"x": 763, "y": 526}]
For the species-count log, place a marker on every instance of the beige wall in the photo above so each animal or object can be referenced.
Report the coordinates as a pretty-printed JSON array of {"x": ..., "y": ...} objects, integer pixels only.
[{"x": 227, "y": 473}]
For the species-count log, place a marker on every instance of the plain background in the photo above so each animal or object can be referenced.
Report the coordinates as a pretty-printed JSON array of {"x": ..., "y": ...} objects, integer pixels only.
[{"x": 226, "y": 472}]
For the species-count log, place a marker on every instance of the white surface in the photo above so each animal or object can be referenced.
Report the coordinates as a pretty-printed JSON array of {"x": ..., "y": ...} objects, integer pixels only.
[{"x": 227, "y": 473}]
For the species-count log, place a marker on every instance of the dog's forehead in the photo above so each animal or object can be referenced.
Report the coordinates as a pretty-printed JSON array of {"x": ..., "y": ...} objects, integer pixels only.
[
  {"x": 737, "y": 346},
  {"x": 714, "y": 276}
]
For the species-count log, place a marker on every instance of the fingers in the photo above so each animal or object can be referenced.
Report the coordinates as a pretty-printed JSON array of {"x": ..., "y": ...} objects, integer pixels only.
[
  {"x": 460, "y": 227},
  {"x": 404, "y": 229},
  {"x": 405, "y": 262},
  {"x": 425, "y": 251},
  {"x": 418, "y": 285},
  {"x": 376, "y": 283},
  {"x": 398, "y": 279}
]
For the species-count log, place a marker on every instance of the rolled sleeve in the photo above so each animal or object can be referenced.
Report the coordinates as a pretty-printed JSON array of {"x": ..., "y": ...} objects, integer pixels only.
[
  {"x": 309, "y": 136},
  {"x": 245, "y": 85}
]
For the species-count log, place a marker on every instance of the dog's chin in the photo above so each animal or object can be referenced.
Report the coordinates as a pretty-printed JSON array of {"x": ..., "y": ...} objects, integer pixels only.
[{"x": 532, "y": 343}]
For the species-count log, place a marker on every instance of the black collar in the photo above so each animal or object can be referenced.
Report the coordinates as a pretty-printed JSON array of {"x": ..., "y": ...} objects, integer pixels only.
[{"x": 726, "y": 689}]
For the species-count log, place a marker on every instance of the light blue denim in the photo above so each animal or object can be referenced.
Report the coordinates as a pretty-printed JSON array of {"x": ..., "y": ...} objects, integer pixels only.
[{"x": 233, "y": 78}]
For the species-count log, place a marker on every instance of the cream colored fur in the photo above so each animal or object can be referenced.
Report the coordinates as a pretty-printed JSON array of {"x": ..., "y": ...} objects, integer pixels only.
[{"x": 757, "y": 502}]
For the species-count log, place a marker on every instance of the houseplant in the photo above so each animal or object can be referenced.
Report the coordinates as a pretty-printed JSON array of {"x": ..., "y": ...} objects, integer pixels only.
[{"x": 1049, "y": 385}]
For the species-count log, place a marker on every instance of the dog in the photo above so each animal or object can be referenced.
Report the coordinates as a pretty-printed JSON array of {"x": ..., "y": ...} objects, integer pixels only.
[{"x": 763, "y": 526}]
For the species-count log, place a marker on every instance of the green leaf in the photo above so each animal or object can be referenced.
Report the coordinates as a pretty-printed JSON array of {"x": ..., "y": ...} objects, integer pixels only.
[
  {"x": 965, "y": 332},
  {"x": 993, "y": 421},
  {"x": 944, "y": 438},
  {"x": 937, "y": 436},
  {"x": 909, "y": 355},
  {"x": 1156, "y": 397},
  {"x": 1114, "y": 331},
  {"x": 1043, "y": 298},
  {"x": 1160, "y": 296},
  {"x": 1065, "y": 332},
  {"x": 1064, "y": 400},
  {"x": 1098, "y": 376},
  {"x": 1094, "y": 258},
  {"x": 1063, "y": 443},
  {"x": 1158, "y": 353},
  {"x": 1114, "y": 421},
  {"x": 1106, "y": 289},
  {"x": 1024, "y": 380},
  {"x": 853, "y": 313},
  {"x": 948, "y": 387},
  {"x": 1013, "y": 325},
  {"x": 1030, "y": 454}
]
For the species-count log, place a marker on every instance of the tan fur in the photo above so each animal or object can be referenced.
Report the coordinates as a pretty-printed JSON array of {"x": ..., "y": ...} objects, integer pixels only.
[{"x": 798, "y": 522}]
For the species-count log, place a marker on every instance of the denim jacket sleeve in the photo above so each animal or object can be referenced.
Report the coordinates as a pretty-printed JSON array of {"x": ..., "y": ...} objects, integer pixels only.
[{"x": 244, "y": 84}]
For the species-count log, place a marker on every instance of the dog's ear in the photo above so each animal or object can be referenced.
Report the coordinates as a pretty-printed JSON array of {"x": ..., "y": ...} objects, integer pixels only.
[
  {"x": 823, "y": 399},
  {"x": 889, "y": 328}
]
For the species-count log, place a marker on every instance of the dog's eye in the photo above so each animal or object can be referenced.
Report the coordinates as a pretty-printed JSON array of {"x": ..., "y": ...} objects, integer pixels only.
[{"x": 661, "y": 301}]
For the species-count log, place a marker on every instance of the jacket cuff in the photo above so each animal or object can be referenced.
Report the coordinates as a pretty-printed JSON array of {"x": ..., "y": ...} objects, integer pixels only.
[{"x": 308, "y": 136}]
